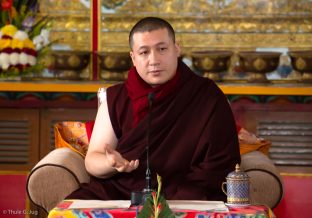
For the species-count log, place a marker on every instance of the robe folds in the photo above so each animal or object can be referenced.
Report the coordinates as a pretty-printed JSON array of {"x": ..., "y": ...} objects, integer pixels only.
[{"x": 193, "y": 142}]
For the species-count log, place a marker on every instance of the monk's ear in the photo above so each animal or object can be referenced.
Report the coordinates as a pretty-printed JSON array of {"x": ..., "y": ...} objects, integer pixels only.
[
  {"x": 178, "y": 49},
  {"x": 132, "y": 57}
]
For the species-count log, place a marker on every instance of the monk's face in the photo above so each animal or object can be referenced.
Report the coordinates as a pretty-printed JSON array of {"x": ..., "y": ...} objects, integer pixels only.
[{"x": 155, "y": 56}]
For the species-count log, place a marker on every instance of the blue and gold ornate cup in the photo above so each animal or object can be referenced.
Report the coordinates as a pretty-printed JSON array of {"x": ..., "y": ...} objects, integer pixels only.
[{"x": 237, "y": 188}]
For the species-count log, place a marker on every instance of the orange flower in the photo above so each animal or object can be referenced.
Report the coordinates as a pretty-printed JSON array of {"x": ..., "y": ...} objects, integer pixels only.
[
  {"x": 9, "y": 30},
  {"x": 16, "y": 43},
  {"x": 154, "y": 195},
  {"x": 5, "y": 43}
]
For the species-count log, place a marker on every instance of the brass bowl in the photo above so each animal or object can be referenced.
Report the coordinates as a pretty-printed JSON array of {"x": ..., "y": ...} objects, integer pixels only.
[
  {"x": 67, "y": 64},
  {"x": 114, "y": 65},
  {"x": 301, "y": 61},
  {"x": 211, "y": 63},
  {"x": 257, "y": 64}
]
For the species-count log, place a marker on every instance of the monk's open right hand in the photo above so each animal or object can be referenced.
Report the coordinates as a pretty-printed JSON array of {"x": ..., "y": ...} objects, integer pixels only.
[{"x": 116, "y": 160}]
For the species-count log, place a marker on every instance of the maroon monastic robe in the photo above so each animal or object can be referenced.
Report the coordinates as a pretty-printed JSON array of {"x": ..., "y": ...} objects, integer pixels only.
[{"x": 193, "y": 142}]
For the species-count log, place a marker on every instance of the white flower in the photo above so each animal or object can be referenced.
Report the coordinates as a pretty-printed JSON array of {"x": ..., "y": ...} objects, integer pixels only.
[
  {"x": 32, "y": 60},
  {"x": 23, "y": 58},
  {"x": 45, "y": 34},
  {"x": 4, "y": 60},
  {"x": 38, "y": 42},
  {"x": 20, "y": 35},
  {"x": 14, "y": 58},
  {"x": 42, "y": 39}
]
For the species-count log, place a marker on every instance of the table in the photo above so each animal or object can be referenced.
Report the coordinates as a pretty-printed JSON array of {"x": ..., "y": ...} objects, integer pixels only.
[{"x": 63, "y": 210}]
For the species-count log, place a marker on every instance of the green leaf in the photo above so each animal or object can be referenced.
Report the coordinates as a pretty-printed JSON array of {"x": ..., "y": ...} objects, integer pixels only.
[
  {"x": 166, "y": 212},
  {"x": 38, "y": 26},
  {"x": 148, "y": 210},
  {"x": 4, "y": 17}
]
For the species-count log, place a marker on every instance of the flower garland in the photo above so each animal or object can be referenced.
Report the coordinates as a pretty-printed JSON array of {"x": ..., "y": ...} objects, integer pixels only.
[{"x": 23, "y": 42}]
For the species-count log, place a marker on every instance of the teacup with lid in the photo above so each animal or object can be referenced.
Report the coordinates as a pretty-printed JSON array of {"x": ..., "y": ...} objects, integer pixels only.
[{"x": 237, "y": 188}]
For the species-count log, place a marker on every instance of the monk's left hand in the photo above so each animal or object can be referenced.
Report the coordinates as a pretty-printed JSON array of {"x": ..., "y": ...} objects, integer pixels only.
[{"x": 121, "y": 164}]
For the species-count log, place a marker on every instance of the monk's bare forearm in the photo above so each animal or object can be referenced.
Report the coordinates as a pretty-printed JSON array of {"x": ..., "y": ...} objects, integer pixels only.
[{"x": 97, "y": 165}]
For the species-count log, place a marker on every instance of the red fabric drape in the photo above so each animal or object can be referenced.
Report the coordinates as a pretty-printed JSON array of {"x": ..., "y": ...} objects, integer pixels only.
[{"x": 138, "y": 91}]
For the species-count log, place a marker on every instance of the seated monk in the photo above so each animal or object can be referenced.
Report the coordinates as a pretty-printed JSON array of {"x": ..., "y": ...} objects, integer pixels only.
[{"x": 193, "y": 142}]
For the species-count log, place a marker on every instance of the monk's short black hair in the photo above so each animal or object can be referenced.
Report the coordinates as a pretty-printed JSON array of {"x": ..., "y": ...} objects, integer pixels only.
[{"x": 149, "y": 24}]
